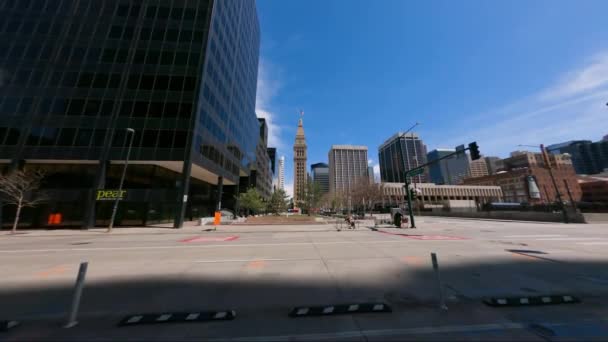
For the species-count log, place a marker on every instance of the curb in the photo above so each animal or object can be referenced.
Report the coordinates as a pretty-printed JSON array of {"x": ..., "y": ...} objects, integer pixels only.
[
  {"x": 530, "y": 301},
  {"x": 340, "y": 309},
  {"x": 177, "y": 317},
  {"x": 8, "y": 325}
]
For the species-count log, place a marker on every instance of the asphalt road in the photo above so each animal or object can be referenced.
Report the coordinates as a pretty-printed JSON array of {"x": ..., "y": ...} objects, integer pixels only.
[{"x": 262, "y": 272}]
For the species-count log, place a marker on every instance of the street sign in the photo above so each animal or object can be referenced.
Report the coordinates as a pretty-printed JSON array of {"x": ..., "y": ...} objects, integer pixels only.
[
  {"x": 414, "y": 172},
  {"x": 460, "y": 149}
]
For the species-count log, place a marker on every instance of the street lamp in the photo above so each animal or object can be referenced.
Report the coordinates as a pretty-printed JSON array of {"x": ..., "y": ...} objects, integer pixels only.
[
  {"x": 130, "y": 133},
  {"x": 407, "y": 185},
  {"x": 543, "y": 151}
]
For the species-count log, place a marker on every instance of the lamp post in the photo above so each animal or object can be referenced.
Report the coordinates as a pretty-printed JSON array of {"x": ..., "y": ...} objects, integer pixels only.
[
  {"x": 131, "y": 133},
  {"x": 407, "y": 184},
  {"x": 548, "y": 166}
]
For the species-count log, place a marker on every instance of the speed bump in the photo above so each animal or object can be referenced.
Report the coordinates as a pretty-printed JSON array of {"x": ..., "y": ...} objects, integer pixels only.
[
  {"x": 177, "y": 317},
  {"x": 530, "y": 301},
  {"x": 340, "y": 309},
  {"x": 8, "y": 325}
]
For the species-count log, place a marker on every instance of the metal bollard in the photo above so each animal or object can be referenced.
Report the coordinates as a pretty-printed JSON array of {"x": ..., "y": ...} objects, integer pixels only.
[
  {"x": 436, "y": 269},
  {"x": 82, "y": 272}
]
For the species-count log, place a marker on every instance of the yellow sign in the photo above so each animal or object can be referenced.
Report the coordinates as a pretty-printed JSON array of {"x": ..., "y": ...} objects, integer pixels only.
[{"x": 110, "y": 195}]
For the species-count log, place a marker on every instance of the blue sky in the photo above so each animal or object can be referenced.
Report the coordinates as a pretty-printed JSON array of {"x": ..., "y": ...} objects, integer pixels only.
[{"x": 499, "y": 72}]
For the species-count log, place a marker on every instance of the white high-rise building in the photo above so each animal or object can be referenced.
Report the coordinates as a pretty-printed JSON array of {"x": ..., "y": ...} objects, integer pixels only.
[
  {"x": 281, "y": 179},
  {"x": 347, "y": 166}
]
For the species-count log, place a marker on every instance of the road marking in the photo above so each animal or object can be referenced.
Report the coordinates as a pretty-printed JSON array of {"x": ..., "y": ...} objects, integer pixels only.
[
  {"x": 256, "y": 264},
  {"x": 353, "y": 307},
  {"x": 533, "y": 236},
  {"x": 413, "y": 260},
  {"x": 328, "y": 310},
  {"x": 52, "y": 271},
  {"x": 569, "y": 239},
  {"x": 248, "y": 260},
  {"x": 380, "y": 332},
  {"x": 593, "y": 243},
  {"x": 93, "y": 249}
]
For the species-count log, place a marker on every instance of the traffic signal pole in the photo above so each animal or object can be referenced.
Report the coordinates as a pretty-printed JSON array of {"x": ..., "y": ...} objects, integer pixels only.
[
  {"x": 409, "y": 203},
  {"x": 415, "y": 171}
]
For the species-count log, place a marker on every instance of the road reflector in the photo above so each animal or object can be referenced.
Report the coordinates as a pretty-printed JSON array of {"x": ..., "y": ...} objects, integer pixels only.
[
  {"x": 328, "y": 310},
  {"x": 529, "y": 301},
  {"x": 134, "y": 319},
  {"x": 338, "y": 309},
  {"x": 178, "y": 317},
  {"x": 192, "y": 316},
  {"x": 164, "y": 317}
]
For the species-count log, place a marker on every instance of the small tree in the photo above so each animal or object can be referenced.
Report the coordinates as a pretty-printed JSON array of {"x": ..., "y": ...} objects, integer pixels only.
[
  {"x": 278, "y": 202},
  {"x": 310, "y": 196},
  {"x": 20, "y": 188},
  {"x": 251, "y": 201}
]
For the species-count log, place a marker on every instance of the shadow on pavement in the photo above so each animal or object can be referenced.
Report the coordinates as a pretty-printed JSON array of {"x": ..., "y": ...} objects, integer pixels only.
[{"x": 262, "y": 293}]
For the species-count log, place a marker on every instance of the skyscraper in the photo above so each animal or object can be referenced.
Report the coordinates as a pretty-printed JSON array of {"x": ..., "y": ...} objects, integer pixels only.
[
  {"x": 449, "y": 171},
  {"x": 400, "y": 153},
  {"x": 299, "y": 163},
  {"x": 370, "y": 174},
  {"x": 281, "y": 178},
  {"x": 347, "y": 166},
  {"x": 320, "y": 175},
  {"x": 587, "y": 157},
  {"x": 181, "y": 74},
  {"x": 479, "y": 168}
]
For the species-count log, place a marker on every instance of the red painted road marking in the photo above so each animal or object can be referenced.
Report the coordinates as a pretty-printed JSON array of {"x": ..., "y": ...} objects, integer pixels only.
[
  {"x": 256, "y": 264},
  {"x": 426, "y": 237},
  {"x": 210, "y": 239}
]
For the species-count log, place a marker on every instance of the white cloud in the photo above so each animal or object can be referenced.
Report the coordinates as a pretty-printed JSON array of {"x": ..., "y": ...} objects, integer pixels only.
[
  {"x": 572, "y": 108},
  {"x": 591, "y": 76},
  {"x": 268, "y": 88}
]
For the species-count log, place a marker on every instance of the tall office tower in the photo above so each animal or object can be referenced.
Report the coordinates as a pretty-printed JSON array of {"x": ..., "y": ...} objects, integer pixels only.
[
  {"x": 479, "y": 168},
  {"x": 400, "y": 153},
  {"x": 281, "y": 178},
  {"x": 449, "y": 171},
  {"x": 299, "y": 163},
  {"x": 347, "y": 167},
  {"x": 320, "y": 175},
  {"x": 587, "y": 157},
  {"x": 173, "y": 82}
]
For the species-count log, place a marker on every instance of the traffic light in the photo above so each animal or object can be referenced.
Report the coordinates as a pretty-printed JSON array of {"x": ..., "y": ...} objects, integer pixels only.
[
  {"x": 413, "y": 194},
  {"x": 474, "y": 150}
]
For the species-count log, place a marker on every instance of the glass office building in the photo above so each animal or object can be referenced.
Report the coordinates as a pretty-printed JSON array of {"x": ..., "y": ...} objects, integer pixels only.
[
  {"x": 74, "y": 75},
  {"x": 400, "y": 153}
]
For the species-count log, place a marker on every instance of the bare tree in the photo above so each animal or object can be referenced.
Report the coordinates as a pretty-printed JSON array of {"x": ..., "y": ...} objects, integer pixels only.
[
  {"x": 365, "y": 194},
  {"x": 20, "y": 188}
]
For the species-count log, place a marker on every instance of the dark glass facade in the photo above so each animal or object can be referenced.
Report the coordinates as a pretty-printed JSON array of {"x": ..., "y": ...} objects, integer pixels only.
[
  {"x": 74, "y": 75},
  {"x": 320, "y": 175},
  {"x": 587, "y": 157},
  {"x": 400, "y": 153}
]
